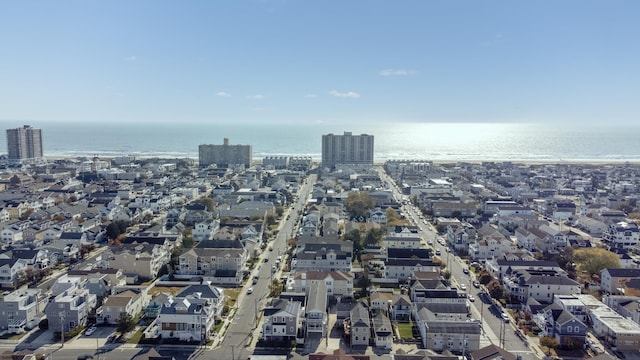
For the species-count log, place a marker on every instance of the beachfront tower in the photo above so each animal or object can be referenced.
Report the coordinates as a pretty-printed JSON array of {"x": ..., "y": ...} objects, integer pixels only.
[{"x": 347, "y": 149}]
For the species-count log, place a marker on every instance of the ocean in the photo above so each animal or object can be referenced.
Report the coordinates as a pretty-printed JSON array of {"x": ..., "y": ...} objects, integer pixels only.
[{"x": 429, "y": 141}]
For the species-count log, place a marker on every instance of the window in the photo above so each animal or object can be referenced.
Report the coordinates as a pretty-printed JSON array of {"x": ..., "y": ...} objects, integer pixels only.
[{"x": 569, "y": 329}]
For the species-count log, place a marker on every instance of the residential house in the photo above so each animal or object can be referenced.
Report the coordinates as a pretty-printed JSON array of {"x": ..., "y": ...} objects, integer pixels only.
[
  {"x": 440, "y": 331},
  {"x": 622, "y": 235},
  {"x": 282, "y": 321},
  {"x": 142, "y": 261},
  {"x": 339, "y": 284},
  {"x": 378, "y": 216},
  {"x": 541, "y": 285},
  {"x": 127, "y": 302},
  {"x": 316, "y": 310},
  {"x": 360, "y": 325},
  {"x": 627, "y": 306},
  {"x": 616, "y": 331},
  {"x": 613, "y": 281},
  {"x": 21, "y": 310},
  {"x": 188, "y": 318},
  {"x": 563, "y": 326},
  {"x": 405, "y": 239},
  {"x": 401, "y": 307},
  {"x": 70, "y": 308},
  {"x": 323, "y": 256},
  {"x": 382, "y": 330},
  {"x": 214, "y": 295},
  {"x": 10, "y": 272},
  {"x": 218, "y": 261}
]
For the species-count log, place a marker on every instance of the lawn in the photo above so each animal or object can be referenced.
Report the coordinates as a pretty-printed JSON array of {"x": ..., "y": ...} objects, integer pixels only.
[
  {"x": 405, "y": 330},
  {"x": 232, "y": 296},
  {"x": 173, "y": 290},
  {"x": 136, "y": 337}
]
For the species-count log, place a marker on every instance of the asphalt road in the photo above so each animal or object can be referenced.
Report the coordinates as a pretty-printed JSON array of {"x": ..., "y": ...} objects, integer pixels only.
[{"x": 237, "y": 339}]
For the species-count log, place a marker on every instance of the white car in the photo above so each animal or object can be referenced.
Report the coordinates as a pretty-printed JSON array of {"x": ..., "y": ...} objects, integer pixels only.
[
  {"x": 90, "y": 331},
  {"x": 463, "y": 287},
  {"x": 250, "y": 291},
  {"x": 505, "y": 317}
]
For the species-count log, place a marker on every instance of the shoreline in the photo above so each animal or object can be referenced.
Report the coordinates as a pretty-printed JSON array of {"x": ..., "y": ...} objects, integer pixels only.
[{"x": 316, "y": 160}]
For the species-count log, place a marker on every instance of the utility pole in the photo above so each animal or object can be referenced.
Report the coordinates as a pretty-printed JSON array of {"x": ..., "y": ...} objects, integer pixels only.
[{"x": 62, "y": 315}]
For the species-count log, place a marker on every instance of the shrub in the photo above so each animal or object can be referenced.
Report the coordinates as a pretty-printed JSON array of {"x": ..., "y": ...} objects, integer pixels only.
[{"x": 43, "y": 324}]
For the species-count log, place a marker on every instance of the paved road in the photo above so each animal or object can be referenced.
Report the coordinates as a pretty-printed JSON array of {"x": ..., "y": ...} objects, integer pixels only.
[
  {"x": 237, "y": 341},
  {"x": 497, "y": 331}
]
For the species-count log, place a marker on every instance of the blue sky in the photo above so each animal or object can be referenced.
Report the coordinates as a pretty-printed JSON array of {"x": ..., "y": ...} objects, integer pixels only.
[{"x": 319, "y": 61}]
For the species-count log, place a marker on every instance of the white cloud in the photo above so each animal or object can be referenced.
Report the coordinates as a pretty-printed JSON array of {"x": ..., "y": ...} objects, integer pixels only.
[
  {"x": 131, "y": 58},
  {"x": 349, "y": 94},
  {"x": 256, "y": 97},
  {"x": 223, "y": 94},
  {"x": 397, "y": 72},
  {"x": 311, "y": 96}
]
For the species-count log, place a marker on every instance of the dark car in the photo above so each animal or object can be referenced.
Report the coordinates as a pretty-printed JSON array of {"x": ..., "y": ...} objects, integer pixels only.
[
  {"x": 85, "y": 357},
  {"x": 111, "y": 338}
]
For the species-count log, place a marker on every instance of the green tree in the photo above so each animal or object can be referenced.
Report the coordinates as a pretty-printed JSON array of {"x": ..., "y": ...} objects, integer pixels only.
[
  {"x": 112, "y": 231},
  {"x": 484, "y": 277},
  {"x": 374, "y": 236},
  {"x": 593, "y": 260},
  {"x": 359, "y": 203},
  {"x": 271, "y": 219},
  {"x": 275, "y": 288},
  {"x": 279, "y": 211},
  {"x": 126, "y": 323},
  {"x": 355, "y": 237}
]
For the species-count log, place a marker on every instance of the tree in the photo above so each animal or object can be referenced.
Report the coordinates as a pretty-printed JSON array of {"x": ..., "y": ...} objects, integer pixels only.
[
  {"x": 374, "y": 236},
  {"x": 484, "y": 277},
  {"x": 359, "y": 203},
  {"x": 549, "y": 342},
  {"x": 594, "y": 260},
  {"x": 126, "y": 323},
  {"x": 271, "y": 219},
  {"x": 392, "y": 217},
  {"x": 496, "y": 290},
  {"x": 355, "y": 237},
  {"x": 275, "y": 288},
  {"x": 208, "y": 203},
  {"x": 279, "y": 211}
]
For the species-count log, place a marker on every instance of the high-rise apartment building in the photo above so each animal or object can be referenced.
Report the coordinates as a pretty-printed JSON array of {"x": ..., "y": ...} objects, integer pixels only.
[
  {"x": 24, "y": 143},
  {"x": 347, "y": 149},
  {"x": 225, "y": 154}
]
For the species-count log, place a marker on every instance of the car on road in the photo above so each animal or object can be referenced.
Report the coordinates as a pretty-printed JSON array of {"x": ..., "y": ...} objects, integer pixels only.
[
  {"x": 438, "y": 252},
  {"x": 250, "y": 291},
  {"x": 266, "y": 259},
  {"x": 471, "y": 298},
  {"x": 504, "y": 317},
  {"x": 463, "y": 287},
  {"x": 90, "y": 330},
  {"x": 476, "y": 284},
  {"x": 255, "y": 279},
  {"x": 465, "y": 270},
  {"x": 430, "y": 242}
]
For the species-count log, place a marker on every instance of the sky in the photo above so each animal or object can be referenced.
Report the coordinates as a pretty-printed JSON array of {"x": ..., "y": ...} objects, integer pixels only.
[{"x": 282, "y": 61}]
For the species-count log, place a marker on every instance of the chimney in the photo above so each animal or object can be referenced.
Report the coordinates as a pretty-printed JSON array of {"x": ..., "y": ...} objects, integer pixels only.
[{"x": 226, "y": 141}]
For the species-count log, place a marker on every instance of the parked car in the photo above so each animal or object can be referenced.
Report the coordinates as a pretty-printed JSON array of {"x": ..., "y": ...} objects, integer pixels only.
[
  {"x": 465, "y": 270},
  {"x": 463, "y": 287},
  {"x": 250, "y": 291},
  {"x": 471, "y": 298},
  {"x": 255, "y": 279},
  {"x": 476, "y": 284},
  {"x": 505, "y": 317}
]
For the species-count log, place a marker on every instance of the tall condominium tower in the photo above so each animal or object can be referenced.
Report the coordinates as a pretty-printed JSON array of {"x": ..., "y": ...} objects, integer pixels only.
[
  {"x": 347, "y": 149},
  {"x": 24, "y": 143},
  {"x": 225, "y": 154}
]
